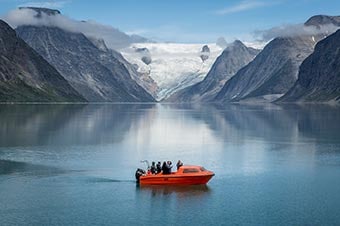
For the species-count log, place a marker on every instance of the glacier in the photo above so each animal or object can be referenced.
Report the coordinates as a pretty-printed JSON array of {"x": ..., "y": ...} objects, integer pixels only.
[{"x": 173, "y": 66}]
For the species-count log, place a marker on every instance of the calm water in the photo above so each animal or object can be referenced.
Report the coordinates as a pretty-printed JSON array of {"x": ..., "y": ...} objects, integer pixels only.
[{"x": 75, "y": 164}]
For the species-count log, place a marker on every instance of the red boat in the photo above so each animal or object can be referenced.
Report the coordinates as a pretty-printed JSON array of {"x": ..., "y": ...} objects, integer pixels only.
[{"x": 185, "y": 175}]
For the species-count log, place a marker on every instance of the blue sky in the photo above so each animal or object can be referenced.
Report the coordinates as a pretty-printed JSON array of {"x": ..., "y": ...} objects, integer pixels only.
[{"x": 188, "y": 20}]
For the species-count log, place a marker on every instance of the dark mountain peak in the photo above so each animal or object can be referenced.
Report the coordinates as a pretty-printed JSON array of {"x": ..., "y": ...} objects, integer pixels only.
[
  {"x": 236, "y": 46},
  {"x": 233, "y": 48},
  {"x": 3, "y": 24},
  {"x": 47, "y": 11},
  {"x": 319, "y": 20},
  {"x": 238, "y": 43},
  {"x": 280, "y": 42},
  {"x": 7, "y": 38},
  {"x": 6, "y": 30}
]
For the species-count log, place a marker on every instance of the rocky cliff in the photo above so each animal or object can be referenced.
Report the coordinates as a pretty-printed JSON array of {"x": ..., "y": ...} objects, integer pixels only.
[
  {"x": 142, "y": 79},
  {"x": 26, "y": 76},
  {"x": 94, "y": 72},
  {"x": 232, "y": 59},
  {"x": 274, "y": 71},
  {"x": 319, "y": 75}
]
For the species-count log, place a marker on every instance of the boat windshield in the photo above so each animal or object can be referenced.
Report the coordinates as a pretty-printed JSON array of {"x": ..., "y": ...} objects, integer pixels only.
[
  {"x": 203, "y": 169},
  {"x": 190, "y": 170}
]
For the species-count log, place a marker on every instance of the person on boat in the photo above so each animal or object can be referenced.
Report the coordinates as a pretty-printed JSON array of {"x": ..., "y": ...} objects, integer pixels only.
[
  {"x": 158, "y": 168},
  {"x": 169, "y": 166},
  {"x": 153, "y": 168},
  {"x": 164, "y": 168},
  {"x": 179, "y": 164}
]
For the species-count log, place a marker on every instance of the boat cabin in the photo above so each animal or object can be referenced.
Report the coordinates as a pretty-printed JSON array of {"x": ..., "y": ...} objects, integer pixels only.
[{"x": 190, "y": 169}]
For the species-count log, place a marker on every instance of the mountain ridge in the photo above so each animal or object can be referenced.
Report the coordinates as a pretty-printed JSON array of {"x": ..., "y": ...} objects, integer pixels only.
[
  {"x": 26, "y": 76},
  {"x": 233, "y": 58},
  {"x": 273, "y": 71},
  {"x": 96, "y": 74},
  {"x": 319, "y": 76}
]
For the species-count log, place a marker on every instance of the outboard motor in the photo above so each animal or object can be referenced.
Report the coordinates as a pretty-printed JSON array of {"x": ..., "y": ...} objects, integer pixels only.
[{"x": 139, "y": 173}]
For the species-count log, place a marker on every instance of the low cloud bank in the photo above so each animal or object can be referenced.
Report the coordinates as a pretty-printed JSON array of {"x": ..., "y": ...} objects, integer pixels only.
[
  {"x": 294, "y": 30},
  {"x": 113, "y": 38}
]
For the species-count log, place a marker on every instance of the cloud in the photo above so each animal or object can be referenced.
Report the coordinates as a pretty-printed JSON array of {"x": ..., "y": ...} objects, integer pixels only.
[
  {"x": 293, "y": 30},
  {"x": 46, "y": 4},
  {"x": 114, "y": 38},
  {"x": 242, "y": 6}
]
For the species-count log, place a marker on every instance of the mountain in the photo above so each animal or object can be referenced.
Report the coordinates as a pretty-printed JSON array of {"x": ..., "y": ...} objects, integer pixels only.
[
  {"x": 173, "y": 66},
  {"x": 142, "y": 79},
  {"x": 274, "y": 71},
  {"x": 232, "y": 59},
  {"x": 320, "y": 20},
  {"x": 95, "y": 73},
  {"x": 26, "y": 76},
  {"x": 319, "y": 76}
]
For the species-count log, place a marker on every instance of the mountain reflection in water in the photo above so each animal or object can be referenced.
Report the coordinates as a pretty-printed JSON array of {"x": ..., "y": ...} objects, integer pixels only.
[{"x": 67, "y": 164}]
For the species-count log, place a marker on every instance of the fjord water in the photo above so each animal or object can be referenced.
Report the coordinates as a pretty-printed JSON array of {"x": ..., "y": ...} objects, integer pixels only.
[{"x": 74, "y": 164}]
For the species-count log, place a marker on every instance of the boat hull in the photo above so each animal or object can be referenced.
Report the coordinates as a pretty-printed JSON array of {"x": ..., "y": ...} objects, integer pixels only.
[{"x": 174, "y": 179}]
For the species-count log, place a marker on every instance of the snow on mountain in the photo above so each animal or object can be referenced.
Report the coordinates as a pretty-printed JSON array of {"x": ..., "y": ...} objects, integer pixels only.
[{"x": 173, "y": 66}]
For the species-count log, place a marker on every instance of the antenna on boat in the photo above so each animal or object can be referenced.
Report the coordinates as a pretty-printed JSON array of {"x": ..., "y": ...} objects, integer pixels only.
[{"x": 147, "y": 163}]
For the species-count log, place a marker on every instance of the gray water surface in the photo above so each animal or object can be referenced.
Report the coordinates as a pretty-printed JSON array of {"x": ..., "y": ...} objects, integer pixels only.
[{"x": 75, "y": 164}]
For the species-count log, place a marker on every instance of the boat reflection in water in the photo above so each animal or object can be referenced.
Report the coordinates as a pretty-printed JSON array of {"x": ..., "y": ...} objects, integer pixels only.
[{"x": 181, "y": 191}]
